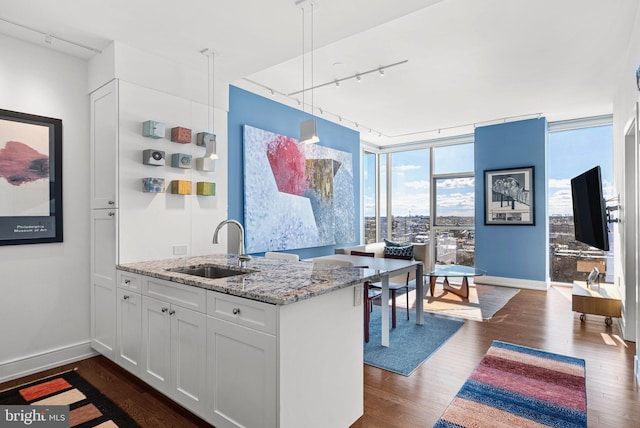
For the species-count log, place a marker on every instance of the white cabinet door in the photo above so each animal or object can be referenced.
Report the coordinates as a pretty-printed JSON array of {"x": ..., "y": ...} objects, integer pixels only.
[
  {"x": 156, "y": 344},
  {"x": 241, "y": 375},
  {"x": 188, "y": 357},
  {"x": 173, "y": 352},
  {"x": 103, "y": 281},
  {"x": 104, "y": 146},
  {"x": 129, "y": 330}
]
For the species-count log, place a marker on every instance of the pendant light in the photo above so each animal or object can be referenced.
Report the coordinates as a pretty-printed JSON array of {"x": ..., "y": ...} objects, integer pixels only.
[
  {"x": 208, "y": 139},
  {"x": 308, "y": 128}
]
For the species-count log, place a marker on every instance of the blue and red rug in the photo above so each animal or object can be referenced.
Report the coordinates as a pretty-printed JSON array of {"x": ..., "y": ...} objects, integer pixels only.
[{"x": 515, "y": 386}]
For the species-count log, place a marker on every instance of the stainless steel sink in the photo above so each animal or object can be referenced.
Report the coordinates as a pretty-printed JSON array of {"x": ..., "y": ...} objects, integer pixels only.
[{"x": 211, "y": 271}]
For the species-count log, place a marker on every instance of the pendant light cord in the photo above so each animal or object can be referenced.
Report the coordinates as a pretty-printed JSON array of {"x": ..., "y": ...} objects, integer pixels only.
[{"x": 303, "y": 60}]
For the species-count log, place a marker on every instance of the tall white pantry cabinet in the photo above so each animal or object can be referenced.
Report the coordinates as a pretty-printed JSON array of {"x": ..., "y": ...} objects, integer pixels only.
[{"x": 104, "y": 217}]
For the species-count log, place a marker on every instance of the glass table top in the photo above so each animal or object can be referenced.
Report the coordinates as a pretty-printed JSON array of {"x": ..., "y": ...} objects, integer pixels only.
[{"x": 455, "y": 271}]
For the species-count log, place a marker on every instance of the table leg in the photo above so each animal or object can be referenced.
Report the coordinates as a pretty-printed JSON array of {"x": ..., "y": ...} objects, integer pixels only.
[
  {"x": 432, "y": 283},
  {"x": 384, "y": 307},
  {"x": 420, "y": 294},
  {"x": 463, "y": 291}
]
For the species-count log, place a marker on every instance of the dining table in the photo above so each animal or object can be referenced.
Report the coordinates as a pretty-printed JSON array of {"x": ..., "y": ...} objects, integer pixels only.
[{"x": 381, "y": 269}]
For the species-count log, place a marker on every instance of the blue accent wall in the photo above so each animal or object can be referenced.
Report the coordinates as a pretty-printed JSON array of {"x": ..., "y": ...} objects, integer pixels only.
[
  {"x": 506, "y": 250},
  {"x": 246, "y": 108}
]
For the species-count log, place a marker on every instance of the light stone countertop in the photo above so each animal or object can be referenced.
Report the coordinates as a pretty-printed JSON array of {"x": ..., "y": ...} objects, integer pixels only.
[{"x": 275, "y": 281}]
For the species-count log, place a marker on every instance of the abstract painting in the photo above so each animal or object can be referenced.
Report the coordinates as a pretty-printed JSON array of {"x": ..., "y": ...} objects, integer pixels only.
[
  {"x": 30, "y": 178},
  {"x": 295, "y": 195}
]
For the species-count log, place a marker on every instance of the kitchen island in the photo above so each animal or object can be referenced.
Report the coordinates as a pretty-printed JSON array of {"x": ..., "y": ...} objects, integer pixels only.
[{"x": 279, "y": 344}]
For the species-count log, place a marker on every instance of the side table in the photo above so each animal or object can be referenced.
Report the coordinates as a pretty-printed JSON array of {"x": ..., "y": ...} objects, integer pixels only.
[{"x": 600, "y": 299}]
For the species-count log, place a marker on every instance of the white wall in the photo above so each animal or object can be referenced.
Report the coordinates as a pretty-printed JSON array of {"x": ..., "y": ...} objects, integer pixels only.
[
  {"x": 151, "y": 224},
  {"x": 155, "y": 88},
  {"x": 45, "y": 287},
  {"x": 623, "y": 110}
]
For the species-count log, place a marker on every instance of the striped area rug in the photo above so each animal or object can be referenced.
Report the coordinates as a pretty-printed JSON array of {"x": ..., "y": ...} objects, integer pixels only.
[
  {"x": 87, "y": 406},
  {"x": 515, "y": 386}
]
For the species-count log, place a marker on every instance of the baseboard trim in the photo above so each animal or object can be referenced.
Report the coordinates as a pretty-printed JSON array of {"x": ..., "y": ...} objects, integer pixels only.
[
  {"x": 512, "y": 282},
  {"x": 35, "y": 363}
]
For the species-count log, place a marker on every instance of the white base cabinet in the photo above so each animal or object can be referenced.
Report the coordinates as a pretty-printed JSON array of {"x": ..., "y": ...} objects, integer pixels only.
[
  {"x": 129, "y": 322},
  {"x": 174, "y": 348},
  {"x": 103, "y": 282},
  {"x": 241, "y": 363}
]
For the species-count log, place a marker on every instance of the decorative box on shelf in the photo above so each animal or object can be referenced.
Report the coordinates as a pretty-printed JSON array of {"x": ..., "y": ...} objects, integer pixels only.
[
  {"x": 202, "y": 138},
  {"x": 153, "y": 129},
  {"x": 153, "y": 185},
  {"x": 205, "y": 188},
  {"x": 205, "y": 164},
  {"x": 153, "y": 157},
  {"x": 181, "y": 135},
  {"x": 181, "y": 187},
  {"x": 181, "y": 160}
]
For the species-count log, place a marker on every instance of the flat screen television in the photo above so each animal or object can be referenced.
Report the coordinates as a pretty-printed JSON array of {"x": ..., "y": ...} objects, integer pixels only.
[{"x": 589, "y": 209}]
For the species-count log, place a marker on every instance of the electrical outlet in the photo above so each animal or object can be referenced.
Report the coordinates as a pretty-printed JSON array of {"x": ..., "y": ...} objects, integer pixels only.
[
  {"x": 357, "y": 295},
  {"x": 180, "y": 250}
]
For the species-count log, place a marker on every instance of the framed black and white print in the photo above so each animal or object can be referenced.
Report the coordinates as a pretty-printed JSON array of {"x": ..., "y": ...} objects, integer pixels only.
[
  {"x": 30, "y": 178},
  {"x": 508, "y": 195}
]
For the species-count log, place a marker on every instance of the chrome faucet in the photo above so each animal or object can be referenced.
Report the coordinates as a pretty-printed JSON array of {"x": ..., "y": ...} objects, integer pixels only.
[{"x": 242, "y": 257}]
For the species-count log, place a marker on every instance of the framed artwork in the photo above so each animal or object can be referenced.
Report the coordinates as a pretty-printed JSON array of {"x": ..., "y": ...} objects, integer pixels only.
[
  {"x": 30, "y": 179},
  {"x": 508, "y": 196},
  {"x": 295, "y": 195}
]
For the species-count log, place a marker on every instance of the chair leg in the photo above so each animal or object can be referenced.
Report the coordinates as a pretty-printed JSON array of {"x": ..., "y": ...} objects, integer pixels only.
[
  {"x": 366, "y": 312},
  {"x": 407, "y": 293},
  {"x": 393, "y": 308}
]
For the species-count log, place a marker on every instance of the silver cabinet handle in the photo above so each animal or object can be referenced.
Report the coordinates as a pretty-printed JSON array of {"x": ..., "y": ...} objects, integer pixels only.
[
  {"x": 111, "y": 213},
  {"x": 236, "y": 311},
  {"x": 164, "y": 310},
  {"x": 111, "y": 203},
  {"x": 171, "y": 312},
  {"x": 125, "y": 297}
]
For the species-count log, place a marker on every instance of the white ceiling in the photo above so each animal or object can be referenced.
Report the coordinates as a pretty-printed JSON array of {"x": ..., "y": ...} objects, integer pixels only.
[{"x": 469, "y": 61}]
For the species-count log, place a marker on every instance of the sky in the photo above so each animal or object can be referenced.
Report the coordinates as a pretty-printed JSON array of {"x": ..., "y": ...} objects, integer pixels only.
[
  {"x": 570, "y": 153},
  {"x": 573, "y": 152}
]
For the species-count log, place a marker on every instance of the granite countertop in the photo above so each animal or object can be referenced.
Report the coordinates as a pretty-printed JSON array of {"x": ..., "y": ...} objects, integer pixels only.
[{"x": 274, "y": 281}]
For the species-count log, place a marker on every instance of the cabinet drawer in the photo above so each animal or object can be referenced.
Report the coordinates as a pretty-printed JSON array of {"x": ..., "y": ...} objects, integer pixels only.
[
  {"x": 186, "y": 296},
  {"x": 129, "y": 281},
  {"x": 249, "y": 313}
]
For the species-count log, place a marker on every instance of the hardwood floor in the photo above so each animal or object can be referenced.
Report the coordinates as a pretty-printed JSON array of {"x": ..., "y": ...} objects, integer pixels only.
[{"x": 532, "y": 318}]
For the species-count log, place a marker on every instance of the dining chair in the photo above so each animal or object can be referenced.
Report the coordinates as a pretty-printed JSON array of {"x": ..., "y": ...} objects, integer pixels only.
[
  {"x": 370, "y": 294},
  {"x": 283, "y": 256},
  {"x": 330, "y": 261},
  {"x": 396, "y": 284}
]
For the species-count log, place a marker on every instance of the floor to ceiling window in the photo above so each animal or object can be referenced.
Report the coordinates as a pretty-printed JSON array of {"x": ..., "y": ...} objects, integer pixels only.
[
  {"x": 370, "y": 201},
  {"x": 572, "y": 152},
  {"x": 453, "y": 203},
  {"x": 409, "y": 198},
  {"x": 413, "y": 187}
]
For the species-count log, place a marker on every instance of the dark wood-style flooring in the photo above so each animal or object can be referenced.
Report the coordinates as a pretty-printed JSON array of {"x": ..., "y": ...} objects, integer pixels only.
[{"x": 532, "y": 318}]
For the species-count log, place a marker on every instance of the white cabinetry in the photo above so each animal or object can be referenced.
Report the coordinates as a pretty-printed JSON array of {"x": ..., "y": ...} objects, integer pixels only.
[
  {"x": 174, "y": 341},
  {"x": 104, "y": 146},
  {"x": 241, "y": 370},
  {"x": 129, "y": 322},
  {"x": 103, "y": 281},
  {"x": 104, "y": 218}
]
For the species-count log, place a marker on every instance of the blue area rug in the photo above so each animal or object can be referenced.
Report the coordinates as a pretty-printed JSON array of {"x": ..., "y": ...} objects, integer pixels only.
[{"x": 409, "y": 344}]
